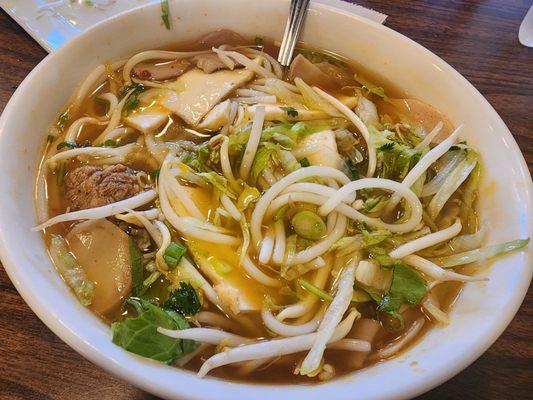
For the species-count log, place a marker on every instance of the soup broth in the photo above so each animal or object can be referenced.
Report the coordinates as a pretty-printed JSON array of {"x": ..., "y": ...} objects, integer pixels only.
[{"x": 221, "y": 167}]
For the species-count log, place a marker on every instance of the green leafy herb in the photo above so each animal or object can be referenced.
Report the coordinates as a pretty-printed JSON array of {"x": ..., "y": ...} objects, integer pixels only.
[
  {"x": 291, "y": 112},
  {"x": 136, "y": 267},
  {"x": 110, "y": 143},
  {"x": 387, "y": 146},
  {"x": 258, "y": 40},
  {"x": 154, "y": 174},
  {"x": 219, "y": 182},
  {"x": 165, "y": 13},
  {"x": 183, "y": 300},
  {"x": 60, "y": 174},
  {"x": 132, "y": 102},
  {"x": 407, "y": 287},
  {"x": 263, "y": 157},
  {"x": 62, "y": 120},
  {"x": 72, "y": 145},
  {"x": 304, "y": 162},
  {"x": 139, "y": 335},
  {"x": 50, "y": 138},
  {"x": 370, "y": 88},
  {"x": 319, "y": 56},
  {"x": 314, "y": 290},
  {"x": 374, "y": 203}
]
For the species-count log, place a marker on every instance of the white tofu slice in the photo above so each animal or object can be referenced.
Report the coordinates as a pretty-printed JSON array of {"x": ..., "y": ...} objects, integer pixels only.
[
  {"x": 147, "y": 120},
  {"x": 217, "y": 117},
  {"x": 150, "y": 114},
  {"x": 320, "y": 149},
  {"x": 198, "y": 92}
]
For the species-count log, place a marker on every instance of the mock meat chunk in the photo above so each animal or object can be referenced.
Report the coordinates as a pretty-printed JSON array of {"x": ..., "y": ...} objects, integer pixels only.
[{"x": 93, "y": 186}]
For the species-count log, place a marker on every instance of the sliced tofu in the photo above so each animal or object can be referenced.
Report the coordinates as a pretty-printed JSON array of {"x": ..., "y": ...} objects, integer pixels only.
[
  {"x": 198, "y": 92},
  {"x": 217, "y": 117},
  {"x": 151, "y": 114},
  {"x": 320, "y": 149}
]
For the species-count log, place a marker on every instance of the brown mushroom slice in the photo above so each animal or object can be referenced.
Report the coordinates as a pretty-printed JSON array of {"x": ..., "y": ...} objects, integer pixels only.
[
  {"x": 102, "y": 250},
  {"x": 425, "y": 115},
  {"x": 163, "y": 70}
]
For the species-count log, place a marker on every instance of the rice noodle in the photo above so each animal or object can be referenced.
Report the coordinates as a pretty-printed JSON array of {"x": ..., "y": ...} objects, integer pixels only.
[
  {"x": 187, "y": 268},
  {"x": 207, "y": 335},
  {"x": 429, "y": 137},
  {"x": 278, "y": 252},
  {"x": 112, "y": 100},
  {"x": 433, "y": 186},
  {"x": 109, "y": 155},
  {"x": 279, "y": 328},
  {"x": 245, "y": 61},
  {"x": 304, "y": 306},
  {"x": 332, "y": 318},
  {"x": 156, "y": 55},
  {"x": 101, "y": 212},
  {"x": 434, "y": 271},
  {"x": 216, "y": 320},
  {"x": 267, "y": 246},
  {"x": 424, "y": 163},
  {"x": 258, "y": 275},
  {"x": 270, "y": 194},
  {"x": 253, "y": 142},
  {"x": 114, "y": 120},
  {"x": 351, "y": 345},
  {"x": 230, "y": 207},
  {"x": 428, "y": 303},
  {"x": 74, "y": 129},
  {"x": 354, "y": 119},
  {"x": 139, "y": 218},
  {"x": 163, "y": 244},
  {"x": 275, "y": 347},
  {"x": 427, "y": 241},
  {"x": 396, "y": 346},
  {"x": 276, "y": 66}
]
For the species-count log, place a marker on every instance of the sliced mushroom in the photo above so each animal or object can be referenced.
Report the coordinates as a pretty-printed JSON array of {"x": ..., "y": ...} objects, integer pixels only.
[
  {"x": 208, "y": 63},
  {"x": 163, "y": 70},
  {"x": 102, "y": 250}
]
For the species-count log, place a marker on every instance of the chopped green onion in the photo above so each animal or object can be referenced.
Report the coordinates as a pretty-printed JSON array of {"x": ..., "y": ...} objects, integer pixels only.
[
  {"x": 308, "y": 225},
  {"x": 315, "y": 290},
  {"x": 170, "y": 261},
  {"x": 258, "y": 40},
  {"x": 221, "y": 267},
  {"x": 110, "y": 143},
  {"x": 50, "y": 138},
  {"x": 173, "y": 254},
  {"x": 149, "y": 281},
  {"x": 60, "y": 174},
  {"x": 165, "y": 13}
]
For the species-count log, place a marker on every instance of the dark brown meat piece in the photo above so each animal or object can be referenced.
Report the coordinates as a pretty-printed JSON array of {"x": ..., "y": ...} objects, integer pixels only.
[{"x": 92, "y": 186}]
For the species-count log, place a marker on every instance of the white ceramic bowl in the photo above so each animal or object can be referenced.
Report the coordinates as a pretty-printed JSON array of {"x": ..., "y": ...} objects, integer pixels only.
[{"x": 482, "y": 311}]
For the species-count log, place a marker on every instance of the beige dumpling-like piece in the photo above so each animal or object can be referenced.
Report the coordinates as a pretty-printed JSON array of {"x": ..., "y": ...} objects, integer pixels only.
[
  {"x": 102, "y": 250},
  {"x": 198, "y": 92}
]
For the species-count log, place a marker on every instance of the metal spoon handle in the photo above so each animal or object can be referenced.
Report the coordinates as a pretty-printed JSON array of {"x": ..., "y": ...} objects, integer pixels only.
[{"x": 295, "y": 21}]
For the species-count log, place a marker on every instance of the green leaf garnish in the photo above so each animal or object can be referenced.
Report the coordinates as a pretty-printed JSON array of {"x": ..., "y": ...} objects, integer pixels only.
[
  {"x": 139, "y": 335},
  {"x": 165, "y": 13},
  {"x": 137, "y": 275},
  {"x": 291, "y": 112},
  {"x": 184, "y": 300}
]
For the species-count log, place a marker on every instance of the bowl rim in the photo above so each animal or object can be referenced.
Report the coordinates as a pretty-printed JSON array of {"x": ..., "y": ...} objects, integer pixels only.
[{"x": 68, "y": 334}]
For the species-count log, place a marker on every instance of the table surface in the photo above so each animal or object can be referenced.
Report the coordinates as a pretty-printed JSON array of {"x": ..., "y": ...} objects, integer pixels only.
[{"x": 478, "y": 38}]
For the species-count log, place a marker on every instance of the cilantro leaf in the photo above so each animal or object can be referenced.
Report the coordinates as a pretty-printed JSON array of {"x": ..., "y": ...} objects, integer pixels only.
[
  {"x": 183, "y": 300},
  {"x": 291, "y": 111}
]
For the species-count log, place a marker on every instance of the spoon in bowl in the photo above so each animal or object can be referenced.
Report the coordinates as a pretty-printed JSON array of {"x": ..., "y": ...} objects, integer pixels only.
[{"x": 297, "y": 12}]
